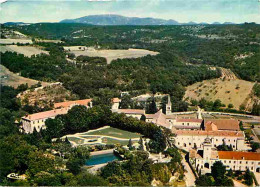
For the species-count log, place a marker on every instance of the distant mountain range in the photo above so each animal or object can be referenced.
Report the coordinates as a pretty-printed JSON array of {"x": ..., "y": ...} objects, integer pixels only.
[{"x": 111, "y": 19}]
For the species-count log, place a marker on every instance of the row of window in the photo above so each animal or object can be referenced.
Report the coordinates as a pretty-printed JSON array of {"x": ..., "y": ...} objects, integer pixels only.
[
  {"x": 38, "y": 121},
  {"x": 216, "y": 139}
]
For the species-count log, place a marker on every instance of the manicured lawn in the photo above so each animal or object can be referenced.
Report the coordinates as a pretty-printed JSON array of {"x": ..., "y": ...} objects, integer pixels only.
[
  {"x": 114, "y": 132},
  {"x": 114, "y": 141},
  {"x": 76, "y": 140}
]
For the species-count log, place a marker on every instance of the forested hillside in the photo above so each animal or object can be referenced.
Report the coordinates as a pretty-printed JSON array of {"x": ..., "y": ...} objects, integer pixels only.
[
  {"x": 186, "y": 55},
  {"x": 232, "y": 46}
]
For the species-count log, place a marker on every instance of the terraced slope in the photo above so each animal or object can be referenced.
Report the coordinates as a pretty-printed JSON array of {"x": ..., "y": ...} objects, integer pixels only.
[{"x": 229, "y": 89}]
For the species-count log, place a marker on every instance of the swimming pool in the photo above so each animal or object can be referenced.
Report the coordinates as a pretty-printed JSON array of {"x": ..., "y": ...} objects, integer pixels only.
[{"x": 101, "y": 159}]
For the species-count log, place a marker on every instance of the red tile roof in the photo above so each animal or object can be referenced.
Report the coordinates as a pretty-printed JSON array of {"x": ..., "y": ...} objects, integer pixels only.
[
  {"x": 210, "y": 133},
  {"x": 46, "y": 114},
  {"x": 224, "y": 124},
  {"x": 234, "y": 155},
  {"x": 131, "y": 111},
  {"x": 189, "y": 120},
  {"x": 70, "y": 103},
  {"x": 211, "y": 127}
]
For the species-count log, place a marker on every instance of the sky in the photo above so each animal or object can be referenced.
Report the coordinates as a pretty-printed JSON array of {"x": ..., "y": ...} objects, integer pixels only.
[{"x": 237, "y": 11}]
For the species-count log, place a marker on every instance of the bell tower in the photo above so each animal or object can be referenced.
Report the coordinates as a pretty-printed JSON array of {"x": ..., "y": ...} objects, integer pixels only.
[
  {"x": 207, "y": 146},
  {"x": 169, "y": 106}
]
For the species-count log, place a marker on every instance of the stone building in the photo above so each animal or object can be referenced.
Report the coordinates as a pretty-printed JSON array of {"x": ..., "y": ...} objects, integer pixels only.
[
  {"x": 203, "y": 159},
  {"x": 37, "y": 120}
]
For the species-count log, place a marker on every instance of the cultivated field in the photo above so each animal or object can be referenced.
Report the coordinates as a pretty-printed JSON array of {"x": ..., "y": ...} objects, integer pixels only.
[
  {"x": 15, "y": 41},
  {"x": 229, "y": 91},
  {"x": 9, "y": 78},
  {"x": 114, "y": 54},
  {"x": 25, "y": 50}
]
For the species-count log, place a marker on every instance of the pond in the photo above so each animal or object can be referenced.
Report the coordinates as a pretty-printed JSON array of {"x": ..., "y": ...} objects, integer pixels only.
[{"x": 101, "y": 159}]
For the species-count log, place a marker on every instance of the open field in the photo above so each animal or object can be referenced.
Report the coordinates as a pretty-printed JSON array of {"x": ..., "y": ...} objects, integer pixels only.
[
  {"x": 104, "y": 135},
  {"x": 9, "y": 78},
  {"x": 229, "y": 91},
  {"x": 25, "y": 50},
  {"x": 114, "y": 54},
  {"x": 15, "y": 41}
]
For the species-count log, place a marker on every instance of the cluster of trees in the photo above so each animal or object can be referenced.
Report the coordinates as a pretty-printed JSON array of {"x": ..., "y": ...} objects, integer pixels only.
[
  {"x": 224, "y": 147},
  {"x": 138, "y": 170},
  {"x": 91, "y": 60},
  {"x": 217, "y": 106},
  {"x": 247, "y": 176},
  {"x": 32, "y": 155},
  {"x": 217, "y": 177}
]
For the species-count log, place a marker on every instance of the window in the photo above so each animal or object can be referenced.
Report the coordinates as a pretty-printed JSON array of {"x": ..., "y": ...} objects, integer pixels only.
[
  {"x": 182, "y": 123},
  {"x": 252, "y": 162},
  {"x": 230, "y": 162},
  {"x": 188, "y": 124},
  {"x": 246, "y": 162},
  {"x": 234, "y": 162},
  {"x": 240, "y": 162}
]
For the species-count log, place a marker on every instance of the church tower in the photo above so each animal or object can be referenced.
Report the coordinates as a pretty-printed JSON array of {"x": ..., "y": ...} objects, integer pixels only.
[
  {"x": 207, "y": 146},
  {"x": 169, "y": 106}
]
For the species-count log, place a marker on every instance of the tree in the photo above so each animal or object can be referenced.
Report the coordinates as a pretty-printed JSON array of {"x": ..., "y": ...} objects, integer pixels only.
[
  {"x": 130, "y": 145},
  {"x": 40, "y": 161},
  {"x": 87, "y": 179},
  {"x": 248, "y": 177},
  {"x": 174, "y": 153},
  {"x": 141, "y": 144},
  {"x": 241, "y": 126},
  {"x": 255, "y": 146},
  {"x": 44, "y": 178},
  {"x": 126, "y": 102},
  {"x": 74, "y": 165},
  {"x": 242, "y": 107},
  {"x": 151, "y": 108},
  {"x": 143, "y": 118},
  {"x": 205, "y": 180},
  {"x": 217, "y": 104},
  {"x": 218, "y": 171},
  {"x": 230, "y": 105},
  {"x": 76, "y": 120},
  {"x": 230, "y": 173}
]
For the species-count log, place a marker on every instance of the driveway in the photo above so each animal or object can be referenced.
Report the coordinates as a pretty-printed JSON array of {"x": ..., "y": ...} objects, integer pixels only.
[{"x": 189, "y": 176}]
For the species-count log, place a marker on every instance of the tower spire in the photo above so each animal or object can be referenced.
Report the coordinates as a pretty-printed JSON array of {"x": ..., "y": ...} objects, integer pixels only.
[{"x": 169, "y": 106}]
